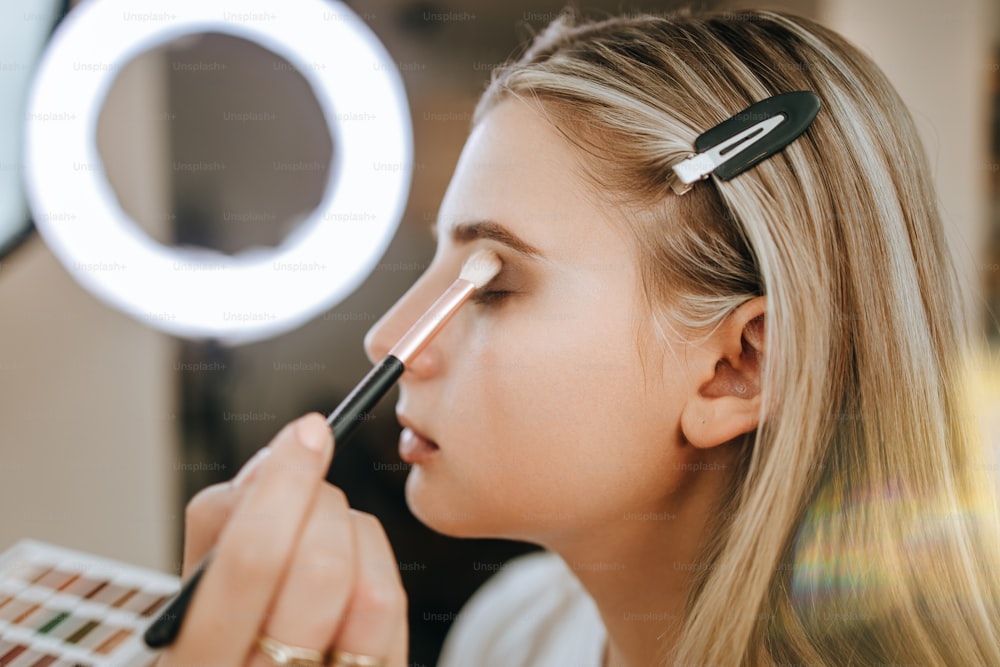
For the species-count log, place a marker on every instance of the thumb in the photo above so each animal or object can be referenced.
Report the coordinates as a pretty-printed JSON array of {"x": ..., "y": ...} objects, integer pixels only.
[{"x": 208, "y": 511}]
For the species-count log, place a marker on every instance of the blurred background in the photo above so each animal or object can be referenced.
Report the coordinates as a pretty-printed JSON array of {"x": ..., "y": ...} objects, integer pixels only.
[{"x": 108, "y": 426}]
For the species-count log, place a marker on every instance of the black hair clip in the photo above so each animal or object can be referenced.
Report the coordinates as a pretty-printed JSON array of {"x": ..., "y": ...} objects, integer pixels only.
[{"x": 756, "y": 133}]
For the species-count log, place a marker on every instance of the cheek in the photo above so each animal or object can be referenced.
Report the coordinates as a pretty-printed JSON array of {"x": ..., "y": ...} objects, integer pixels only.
[
  {"x": 539, "y": 373},
  {"x": 554, "y": 409}
]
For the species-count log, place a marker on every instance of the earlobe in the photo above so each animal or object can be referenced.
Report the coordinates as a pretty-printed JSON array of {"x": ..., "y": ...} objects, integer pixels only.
[
  {"x": 725, "y": 400},
  {"x": 707, "y": 422}
]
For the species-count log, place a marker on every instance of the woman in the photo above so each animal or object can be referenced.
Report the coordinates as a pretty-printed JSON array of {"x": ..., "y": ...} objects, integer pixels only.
[{"x": 733, "y": 417}]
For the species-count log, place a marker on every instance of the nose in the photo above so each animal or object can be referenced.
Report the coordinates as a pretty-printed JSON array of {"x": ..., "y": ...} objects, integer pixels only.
[{"x": 396, "y": 321}]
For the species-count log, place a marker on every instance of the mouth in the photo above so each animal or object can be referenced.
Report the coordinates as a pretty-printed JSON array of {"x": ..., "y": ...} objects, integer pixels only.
[{"x": 414, "y": 445}]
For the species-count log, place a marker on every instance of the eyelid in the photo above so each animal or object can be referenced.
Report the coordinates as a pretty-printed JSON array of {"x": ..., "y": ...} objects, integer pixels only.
[{"x": 488, "y": 297}]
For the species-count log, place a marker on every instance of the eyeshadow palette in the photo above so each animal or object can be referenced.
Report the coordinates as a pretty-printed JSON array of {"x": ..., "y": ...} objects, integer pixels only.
[{"x": 60, "y": 608}]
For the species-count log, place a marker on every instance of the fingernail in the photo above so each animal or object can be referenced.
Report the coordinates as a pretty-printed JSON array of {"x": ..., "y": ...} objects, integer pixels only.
[
  {"x": 250, "y": 466},
  {"x": 314, "y": 432}
]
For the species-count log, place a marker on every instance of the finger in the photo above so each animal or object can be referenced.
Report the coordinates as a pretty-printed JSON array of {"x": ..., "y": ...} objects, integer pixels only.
[
  {"x": 210, "y": 509},
  {"x": 375, "y": 623},
  {"x": 318, "y": 581},
  {"x": 255, "y": 546}
]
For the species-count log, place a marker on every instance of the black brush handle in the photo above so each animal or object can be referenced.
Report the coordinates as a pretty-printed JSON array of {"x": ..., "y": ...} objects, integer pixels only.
[
  {"x": 344, "y": 420},
  {"x": 167, "y": 626},
  {"x": 355, "y": 408}
]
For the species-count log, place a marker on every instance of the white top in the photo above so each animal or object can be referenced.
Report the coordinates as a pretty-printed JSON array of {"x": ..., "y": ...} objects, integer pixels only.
[{"x": 532, "y": 613}]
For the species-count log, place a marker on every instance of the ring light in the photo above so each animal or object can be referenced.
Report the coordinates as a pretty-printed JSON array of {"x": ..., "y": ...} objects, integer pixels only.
[{"x": 199, "y": 293}]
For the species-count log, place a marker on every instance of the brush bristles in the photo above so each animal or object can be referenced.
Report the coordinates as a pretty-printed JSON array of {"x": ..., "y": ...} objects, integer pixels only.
[{"x": 481, "y": 267}]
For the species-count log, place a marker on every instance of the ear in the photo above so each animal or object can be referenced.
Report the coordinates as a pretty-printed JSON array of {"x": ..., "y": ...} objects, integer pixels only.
[{"x": 726, "y": 398}]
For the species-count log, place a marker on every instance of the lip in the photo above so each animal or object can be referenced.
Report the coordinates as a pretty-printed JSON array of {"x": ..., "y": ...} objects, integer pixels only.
[
  {"x": 406, "y": 422},
  {"x": 414, "y": 445}
]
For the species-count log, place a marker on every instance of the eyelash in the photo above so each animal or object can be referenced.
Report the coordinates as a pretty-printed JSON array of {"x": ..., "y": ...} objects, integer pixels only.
[{"x": 490, "y": 298}]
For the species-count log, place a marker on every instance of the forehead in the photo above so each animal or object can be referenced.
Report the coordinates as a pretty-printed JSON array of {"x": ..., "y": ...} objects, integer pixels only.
[{"x": 518, "y": 170}]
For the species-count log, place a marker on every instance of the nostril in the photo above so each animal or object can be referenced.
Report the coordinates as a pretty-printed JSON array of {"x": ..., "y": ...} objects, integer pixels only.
[{"x": 426, "y": 364}]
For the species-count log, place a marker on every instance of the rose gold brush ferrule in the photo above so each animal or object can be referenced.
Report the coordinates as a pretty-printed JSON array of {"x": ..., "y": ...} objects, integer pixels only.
[{"x": 418, "y": 335}]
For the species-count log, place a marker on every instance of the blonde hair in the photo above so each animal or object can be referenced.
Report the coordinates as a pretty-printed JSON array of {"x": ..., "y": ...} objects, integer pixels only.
[{"x": 861, "y": 528}]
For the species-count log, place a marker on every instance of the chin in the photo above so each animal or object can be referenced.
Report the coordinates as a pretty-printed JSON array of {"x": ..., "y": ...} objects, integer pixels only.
[{"x": 443, "y": 515}]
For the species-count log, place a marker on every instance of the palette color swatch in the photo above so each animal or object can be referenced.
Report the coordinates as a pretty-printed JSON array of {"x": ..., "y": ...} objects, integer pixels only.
[{"x": 60, "y": 607}]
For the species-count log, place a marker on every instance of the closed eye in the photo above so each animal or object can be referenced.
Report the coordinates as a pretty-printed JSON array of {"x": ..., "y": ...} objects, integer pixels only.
[{"x": 490, "y": 297}]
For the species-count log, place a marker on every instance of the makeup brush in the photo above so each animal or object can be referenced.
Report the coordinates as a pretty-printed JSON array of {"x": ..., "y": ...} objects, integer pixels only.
[{"x": 479, "y": 269}]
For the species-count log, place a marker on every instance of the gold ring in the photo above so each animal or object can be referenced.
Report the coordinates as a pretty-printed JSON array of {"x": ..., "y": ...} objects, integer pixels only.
[
  {"x": 283, "y": 655},
  {"x": 345, "y": 659}
]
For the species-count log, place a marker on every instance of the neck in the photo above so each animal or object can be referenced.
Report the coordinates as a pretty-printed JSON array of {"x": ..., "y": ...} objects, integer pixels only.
[{"x": 638, "y": 571}]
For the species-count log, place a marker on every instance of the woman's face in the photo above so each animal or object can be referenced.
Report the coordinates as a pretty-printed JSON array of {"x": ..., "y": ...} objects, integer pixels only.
[{"x": 546, "y": 420}]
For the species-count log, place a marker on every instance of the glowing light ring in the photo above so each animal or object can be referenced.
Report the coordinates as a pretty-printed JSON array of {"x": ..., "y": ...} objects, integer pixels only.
[{"x": 193, "y": 292}]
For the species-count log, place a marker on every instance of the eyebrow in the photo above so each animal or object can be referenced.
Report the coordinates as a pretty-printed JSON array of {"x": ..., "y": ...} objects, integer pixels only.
[{"x": 467, "y": 232}]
